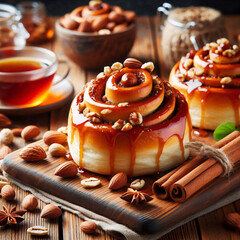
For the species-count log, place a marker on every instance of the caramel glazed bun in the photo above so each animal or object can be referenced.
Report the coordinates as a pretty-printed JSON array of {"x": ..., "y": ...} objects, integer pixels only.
[
  {"x": 209, "y": 80},
  {"x": 128, "y": 120}
]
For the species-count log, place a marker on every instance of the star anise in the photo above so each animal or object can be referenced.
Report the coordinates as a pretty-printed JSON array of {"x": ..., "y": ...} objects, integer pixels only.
[
  {"x": 135, "y": 197},
  {"x": 11, "y": 217}
]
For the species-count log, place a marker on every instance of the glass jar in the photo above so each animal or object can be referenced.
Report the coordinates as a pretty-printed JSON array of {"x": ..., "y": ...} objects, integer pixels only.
[
  {"x": 186, "y": 29},
  {"x": 12, "y": 31},
  {"x": 34, "y": 19}
]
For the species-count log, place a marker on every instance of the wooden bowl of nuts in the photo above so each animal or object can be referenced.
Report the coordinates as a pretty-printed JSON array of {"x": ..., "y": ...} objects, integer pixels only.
[{"x": 96, "y": 35}]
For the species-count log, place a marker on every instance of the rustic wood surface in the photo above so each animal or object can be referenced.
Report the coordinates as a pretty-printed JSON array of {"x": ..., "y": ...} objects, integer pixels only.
[{"x": 146, "y": 48}]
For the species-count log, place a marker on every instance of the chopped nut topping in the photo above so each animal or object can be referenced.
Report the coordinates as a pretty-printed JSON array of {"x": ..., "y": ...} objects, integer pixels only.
[
  {"x": 104, "y": 98},
  {"x": 213, "y": 44},
  {"x": 104, "y": 32},
  {"x": 191, "y": 73},
  {"x": 226, "y": 80},
  {"x": 127, "y": 127},
  {"x": 229, "y": 53},
  {"x": 156, "y": 79},
  {"x": 93, "y": 117},
  {"x": 168, "y": 92},
  {"x": 188, "y": 63},
  {"x": 118, "y": 124},
  {"x": 137, "y": 184},
  {"x": 124, "y": 104},
  {"x": 199, "y": 71},
  {"x": 135, "y": 118},
  {"x": 106, "y": 111},
  {"x": 235, "y": 48},
  {"x": 148, "y": 66},
  {"x": 86, "y": 111},
  {"x": 95, "y": 3},
  {"x": 107, "y": 70},
  {"x": 81, "y": 106},
  {"x": 63, "y": 130},
  {"x": 222, "y": 40},
  {"x": 206, "y": 47},
  {"x": 100, "y": 75},
  {"x": 181, "y": 76},
  {"x": 116, "y": 66},
  {"x": 90, "y": 182}
]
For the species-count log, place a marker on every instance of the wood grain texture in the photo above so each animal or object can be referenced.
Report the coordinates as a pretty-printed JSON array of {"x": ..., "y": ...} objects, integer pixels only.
[{"x": 68, "y": 225}]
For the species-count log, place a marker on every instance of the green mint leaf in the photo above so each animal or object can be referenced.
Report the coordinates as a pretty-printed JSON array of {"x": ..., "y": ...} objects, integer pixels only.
[{"x": 223, "y": 130}]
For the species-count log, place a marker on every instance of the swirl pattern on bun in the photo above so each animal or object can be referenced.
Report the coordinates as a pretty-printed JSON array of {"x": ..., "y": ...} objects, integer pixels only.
[
  {"x": 209, "y": 79},
  {"x": 128, "y": 119}
]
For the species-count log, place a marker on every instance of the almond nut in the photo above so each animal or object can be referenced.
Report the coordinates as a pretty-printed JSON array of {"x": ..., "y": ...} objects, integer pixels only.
[
  {"x": 4, "y": 120},
  {"x": 32, "y": 153},
  {"x": 57, "y": 150},
  {"x": 120, "y": 27},
  {"x": 51, "y": 211},
  {"x": 226, "y": 80},
  {"x": 116, "y": 66},
  {"x": 66, "y": 170},
  {"x": 51, "y": 137},
  {"x": 17, "y": 131},
  {"x": 85, "y": 26},
  {"x": 88, "y": 227},
  {"x": 37, "y": 231},
  {"x": 118, "y": 181},
  {"x": 63, "y": 130},
  {"x": 30, "y": 202},
  {"x": 90, "y": 182},
  {"x": 8, "y": 192},
  {"x": 132, "y": 63},
  {"x": 6, "y": 136},
  {"x": 233, "y": 220},
  {"x": 67, "y": 22},
  {"x": 104, "y": 32},
  {"x": 130, "y": 16},
  {"x": 127, "y": 127},
  {"x": 30, "y": 132},
  {"x": 4, "y": 151}
]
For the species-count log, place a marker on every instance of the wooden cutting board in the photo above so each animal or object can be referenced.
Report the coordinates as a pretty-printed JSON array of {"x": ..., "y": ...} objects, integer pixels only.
[{"x": 157, "y": 215}]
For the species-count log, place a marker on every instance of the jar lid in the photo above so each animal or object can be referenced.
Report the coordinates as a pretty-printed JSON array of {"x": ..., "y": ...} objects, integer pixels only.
[{"x": 8, "y": 12}]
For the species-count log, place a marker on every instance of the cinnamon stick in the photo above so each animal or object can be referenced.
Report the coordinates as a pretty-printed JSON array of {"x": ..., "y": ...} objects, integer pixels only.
[
  {"x": 204, "y": 173},
  {"x": 162, "y": 186}
]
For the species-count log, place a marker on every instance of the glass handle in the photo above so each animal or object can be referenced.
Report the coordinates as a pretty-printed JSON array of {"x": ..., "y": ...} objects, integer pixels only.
[
  {"x": 58, "y": 79},
  {"x": 162, "y": 14}
]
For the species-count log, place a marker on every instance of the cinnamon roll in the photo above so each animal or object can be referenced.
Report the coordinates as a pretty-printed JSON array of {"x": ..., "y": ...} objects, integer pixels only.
[
  {"x": 209, "y": 79},
  {"x": 128, "y": 120}
]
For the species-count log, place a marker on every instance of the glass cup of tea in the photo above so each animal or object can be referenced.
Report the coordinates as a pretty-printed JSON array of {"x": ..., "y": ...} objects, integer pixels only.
[{"x": 27, "y": 74}]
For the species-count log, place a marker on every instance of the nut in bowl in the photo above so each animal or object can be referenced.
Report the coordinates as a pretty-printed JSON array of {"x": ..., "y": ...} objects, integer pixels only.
[
  {"x": 96, "y": 36},
  {"x": 137, "y": 128}
]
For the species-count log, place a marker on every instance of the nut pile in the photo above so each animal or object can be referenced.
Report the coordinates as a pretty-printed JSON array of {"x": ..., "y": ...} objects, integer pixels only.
[{"x": 98, "y": 17}]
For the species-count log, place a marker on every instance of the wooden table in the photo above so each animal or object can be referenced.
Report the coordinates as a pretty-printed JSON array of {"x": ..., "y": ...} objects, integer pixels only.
[{"x": 146, "y": 48}]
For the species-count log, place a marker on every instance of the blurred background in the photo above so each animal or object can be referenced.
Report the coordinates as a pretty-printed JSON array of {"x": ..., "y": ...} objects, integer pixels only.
[{"x": 141, "y": 7}]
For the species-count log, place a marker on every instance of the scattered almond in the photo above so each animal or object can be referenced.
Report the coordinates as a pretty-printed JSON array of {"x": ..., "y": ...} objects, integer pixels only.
[
  {"x": 37, "y": 231},
  {"x": 90, "y": 182},
  {"x": 233, "y": 220},
  {"x": 51, "y": 211},
  {"x": 30, "y": 132},
  {"x": 51, "y": 137},
  {"x": 57, "y": 150},
  {"x": 137, "y": 184},
  {"x": 6, "y": 136},
  {"x": 118, "y": 181},
  {"x": 3, "y": 181},
  {"x": 107, "y": 70},
  {"x": 32, "y": 153},
  {"x": 4, "y": 120},
  {"x": 8, "y": 192},
  {"x": 226, "y": 80},
  {"x": 88, "y": 227},
  {"x": 30, "y": 202},
  {"x": 17, "y": 131},
  {"x": 127, "y": 127},
  {"x": 66, "y": 170},
  {"x": 106, "y": 111},
  {"x": 4, "y": 151}
]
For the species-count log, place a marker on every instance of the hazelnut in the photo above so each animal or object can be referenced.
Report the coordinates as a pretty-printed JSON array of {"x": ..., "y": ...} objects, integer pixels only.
[
  {"x": 129, "y": 80},
  {"x": 6, "y": 136},
  {"x": 30, "y": 202}
]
